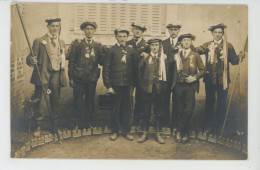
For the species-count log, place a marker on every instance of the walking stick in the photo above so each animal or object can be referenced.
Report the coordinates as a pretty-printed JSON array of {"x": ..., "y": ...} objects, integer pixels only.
[
  {"x": 38, "y": 72},
  {"x": 232, "y": 91}
]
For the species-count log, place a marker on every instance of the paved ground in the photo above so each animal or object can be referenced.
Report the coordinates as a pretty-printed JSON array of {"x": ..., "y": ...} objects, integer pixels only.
[{"x": 100, "y": 147}]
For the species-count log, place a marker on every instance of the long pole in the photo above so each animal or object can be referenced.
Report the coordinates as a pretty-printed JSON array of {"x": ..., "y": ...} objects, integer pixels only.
[
  {"x": 38, "y": 72},
  {"x": 232, "y": 91}
]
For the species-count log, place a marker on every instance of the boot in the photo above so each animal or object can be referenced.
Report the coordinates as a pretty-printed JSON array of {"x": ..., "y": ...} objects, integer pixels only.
[
  {"x": 160, "y": 140},
  {"x": 143, "y": 138}
]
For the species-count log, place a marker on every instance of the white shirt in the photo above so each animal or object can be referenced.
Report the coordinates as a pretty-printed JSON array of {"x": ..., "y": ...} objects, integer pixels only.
[
  {"x": 154, "y": 55},
  {"x": 55, "y": 38},
  {"x": 175, "y": 40},
  {"x": 218, "y": 42},
  {"x": 187, "y": 51}
]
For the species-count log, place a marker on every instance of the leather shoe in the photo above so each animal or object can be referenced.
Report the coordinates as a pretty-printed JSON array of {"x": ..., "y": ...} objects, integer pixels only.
[
  {"x": 185, "y": 139},
  {"x": 143, "y": 138},
  {"x": 129, "y": 137},
  {"x": 160, "y": 140},
  {"x": 37, "y": 132},
  {"x": 113, "y": 137}
]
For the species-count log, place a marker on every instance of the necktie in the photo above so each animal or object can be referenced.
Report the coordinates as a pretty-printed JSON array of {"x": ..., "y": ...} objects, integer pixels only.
[
  {"x": 52, "y": 42},
  {"x": 173, "y": 43},
  {"x": 184, "y": 53},
  {"x": 89, "y": 41}
]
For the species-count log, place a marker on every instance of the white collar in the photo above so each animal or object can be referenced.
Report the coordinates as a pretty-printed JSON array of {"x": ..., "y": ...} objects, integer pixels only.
[
  {"x": 50, "y": 36},
  {"x": 87, "y": 40},
  {"x": 174, "y": 39},
  {"x": 138, "y": 40},
  {"x": 119, "y": 44},
  {"x": 156, "y": 55},
  {"x": 219, "y": 41},
  {"x": 187, "y": 51}
]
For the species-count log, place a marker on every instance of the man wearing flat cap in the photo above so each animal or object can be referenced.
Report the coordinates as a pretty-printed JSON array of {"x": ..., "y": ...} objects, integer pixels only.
[
  {"x": 84, "y": 57},
  {"x": 118, "y": 77},
  {"x": 152, "y": 79},
  {"x": 139, "y": 45},
  {"x": 49, "y": 51},
  {"x": 190, "y": 69},
  {"x": 219, "y": 53},
  {"x": 171, "y": 46}
]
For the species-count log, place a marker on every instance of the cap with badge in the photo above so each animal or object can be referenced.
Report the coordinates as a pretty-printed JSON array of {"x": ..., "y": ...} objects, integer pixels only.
[
  {"x": 221, "y": 25},
  {"x": 189, "y": 35},
  {"x": 175, "y": 24},
  {"x": 51, "y": 20},
  {"x": 84, "y": 24},
  {"x": 139, "y": 25},
  {"x": 153, "y": 40},
  {"x": 121, "y": 29}
]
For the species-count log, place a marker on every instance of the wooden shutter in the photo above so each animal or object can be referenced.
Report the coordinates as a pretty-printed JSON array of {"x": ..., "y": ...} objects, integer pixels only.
[{"x": 109, "y": 16}]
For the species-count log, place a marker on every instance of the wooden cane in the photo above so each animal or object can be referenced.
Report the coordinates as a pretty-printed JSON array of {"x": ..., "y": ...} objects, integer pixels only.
[{"x": 232, "y": 91}]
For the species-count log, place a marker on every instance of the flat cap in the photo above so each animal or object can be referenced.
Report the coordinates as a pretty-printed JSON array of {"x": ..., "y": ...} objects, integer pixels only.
[
  {"x": 50, "y": 20},
  {"x": 153, "y": 40},
  {"x": 84, "y": 24},
  {"x": 213, "y": 27},
  {"x": 175, "y": 24},
  {"x": 139, "y": 25},
  {"x": 189, "y": 35},
  {"x": 121, "y": 29}
]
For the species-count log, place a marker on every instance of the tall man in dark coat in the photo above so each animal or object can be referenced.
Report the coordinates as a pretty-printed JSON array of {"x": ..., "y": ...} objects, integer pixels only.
[
  {"x": 140, "y": 46},
  {"x": 118, "y": 77},
  {"x": 84, "y": 57},
  {"x": 49, "y": 52},
  {"x": 190, "y": 69},
  {"x": 152, "y": 79},
  {"x": 171, "y": 46},
  {"x": 217, "y": 78}
]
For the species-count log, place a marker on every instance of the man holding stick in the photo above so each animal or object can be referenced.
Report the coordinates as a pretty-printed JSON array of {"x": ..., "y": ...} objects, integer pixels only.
[{"x": 49, "y": 51}]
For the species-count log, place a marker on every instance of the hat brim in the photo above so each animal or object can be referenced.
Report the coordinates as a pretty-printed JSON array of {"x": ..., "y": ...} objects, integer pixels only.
[
  {"x": 192, "y": 37},
  {"x": 83, "y": 26},
  {"x": 141, "y": 28},
  {"x": 173, "y": 26}
]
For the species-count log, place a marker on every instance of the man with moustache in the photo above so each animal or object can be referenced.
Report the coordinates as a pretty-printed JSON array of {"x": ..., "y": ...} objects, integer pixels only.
[
  {"x": 118, "y": 77},
  {"x": 139, "y": 45},
  {"x": 49, "y": 52},
  {"x": 84, "y": 57}
]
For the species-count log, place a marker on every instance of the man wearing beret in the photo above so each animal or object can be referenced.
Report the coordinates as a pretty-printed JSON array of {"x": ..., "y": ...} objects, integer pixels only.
[
  {"x": 190, "y": 69},
  {"x": 152, "y": 79},
  {"x": 171, "y": 46},
  {"x": 118, "y": 77},
  {"x": 49, "y": 51},
  {"x": 139, "y": 45},
  {"x": 84, "y": 57},
  {"x": 217, "y": 78}
]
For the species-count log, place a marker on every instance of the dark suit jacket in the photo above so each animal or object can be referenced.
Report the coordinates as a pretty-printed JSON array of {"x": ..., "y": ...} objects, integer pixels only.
[
  {"x": 81, "y": 68},
  {"x": 171, "y": 65},
  {"x": 194, "y": 65},
  {"x": 44, "y": 64},
  {"x": 217, "y": 69},
  {"x": 140, "y": 47},
  {"x": 148, "y": 75},
  {"x": 116, "y": 72}
]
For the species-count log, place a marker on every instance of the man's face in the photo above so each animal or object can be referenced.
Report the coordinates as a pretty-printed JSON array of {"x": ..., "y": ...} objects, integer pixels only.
[
  {"x": 155, "y": 47},
  {"x": 89, "y": 31},
  {"x": 173, "y": 32},
  {"x": 186, "y": 43},
  {"x": 54, "y": 28},
  {"x": 138, "y": 32},
  {"x": 217, "y": 34},
  {"x": 121, "y": 38}
]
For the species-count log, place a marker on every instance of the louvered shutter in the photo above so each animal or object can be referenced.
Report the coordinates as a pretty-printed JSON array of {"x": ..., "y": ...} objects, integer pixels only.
[{"x": 109, "y": 16}]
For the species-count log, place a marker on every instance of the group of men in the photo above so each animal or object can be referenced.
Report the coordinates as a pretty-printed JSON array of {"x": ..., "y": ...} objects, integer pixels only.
[{"x": 153, "y": 70}]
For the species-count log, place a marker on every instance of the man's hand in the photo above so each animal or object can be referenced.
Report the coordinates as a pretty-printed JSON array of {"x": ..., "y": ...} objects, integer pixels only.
[
  {"x": 110, "y": 91},
  {"x": 72, "y": 84},
  {"x": 144, "y": 54},
  {"x": 190, "y": 79},
  {"x": 241, "y": 55},
  {"x": 33, "y": 60}
]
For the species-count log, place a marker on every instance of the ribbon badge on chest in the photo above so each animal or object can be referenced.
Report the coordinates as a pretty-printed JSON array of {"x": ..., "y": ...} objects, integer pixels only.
[
  {"x": 191, "y": 61},
  {"x": 87, "y": 52},
  {"x": 150, "y": 61},
  {"x": 123, "y": 60}
]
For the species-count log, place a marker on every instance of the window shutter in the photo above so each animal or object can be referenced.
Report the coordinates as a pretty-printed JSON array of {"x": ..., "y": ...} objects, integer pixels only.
[{"x": 109, "y": 16}]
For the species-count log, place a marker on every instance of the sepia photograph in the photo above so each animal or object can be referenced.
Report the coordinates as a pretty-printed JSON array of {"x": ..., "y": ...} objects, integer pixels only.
[{"x": 129, "y": 81}]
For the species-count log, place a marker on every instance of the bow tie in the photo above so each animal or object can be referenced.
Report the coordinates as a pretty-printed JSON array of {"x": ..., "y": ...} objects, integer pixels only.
[{"x": 135, "y": 40}]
